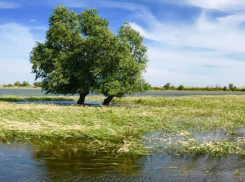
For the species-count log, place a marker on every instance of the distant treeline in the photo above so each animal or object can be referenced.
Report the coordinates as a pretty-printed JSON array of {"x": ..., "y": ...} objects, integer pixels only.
[
  {"x": 23, "y": 84},
  {"x": 230, "y": 87}
]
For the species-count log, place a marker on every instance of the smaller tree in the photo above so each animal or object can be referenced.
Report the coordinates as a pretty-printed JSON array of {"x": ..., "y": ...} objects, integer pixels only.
[
  {"x": 232, "y": 87},
  {"x": 17, "y": 84},
  {"x": 25, "y": 84},
  {"x": 167, "y": 86},
  {"x": 37, "y": 84},
  {"x": 181, "y": 87},
  {"x": 224, "y": 88}
]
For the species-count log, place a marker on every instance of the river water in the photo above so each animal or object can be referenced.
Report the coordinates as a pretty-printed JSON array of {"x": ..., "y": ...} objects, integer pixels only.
[
  {"x": 38, "y": 92},
  {"x": 26, "y": 162}
]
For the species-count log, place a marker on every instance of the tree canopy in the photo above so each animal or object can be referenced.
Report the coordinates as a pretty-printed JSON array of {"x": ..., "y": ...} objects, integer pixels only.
[
  {"x": 128, "y": 78},
  {"x": 17, "y": 83},
  {"x": 81, "y": 54}
]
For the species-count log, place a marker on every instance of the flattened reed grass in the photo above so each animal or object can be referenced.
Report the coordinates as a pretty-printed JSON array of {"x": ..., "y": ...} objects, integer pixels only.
[{"x": 121, "y": 128}]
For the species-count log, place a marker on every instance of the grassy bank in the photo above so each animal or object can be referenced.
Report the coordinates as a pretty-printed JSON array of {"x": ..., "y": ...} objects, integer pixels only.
[{"x": 120, "y": 129}]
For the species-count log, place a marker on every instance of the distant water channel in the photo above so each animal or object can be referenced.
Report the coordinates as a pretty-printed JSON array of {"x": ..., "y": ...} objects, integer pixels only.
[{"x": 38, "y": 92}]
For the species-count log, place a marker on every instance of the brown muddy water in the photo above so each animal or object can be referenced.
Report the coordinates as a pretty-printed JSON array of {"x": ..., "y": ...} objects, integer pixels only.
[{"x": 53, "y": 162}]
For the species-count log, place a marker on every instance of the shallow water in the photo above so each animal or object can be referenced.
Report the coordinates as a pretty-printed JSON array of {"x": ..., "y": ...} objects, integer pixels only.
[
  {"x": 21, "y": 92},
  {"x": 25, "y": 162},
  {"x": 98, "y": 104},
  {"x": 67, "y": 103}
]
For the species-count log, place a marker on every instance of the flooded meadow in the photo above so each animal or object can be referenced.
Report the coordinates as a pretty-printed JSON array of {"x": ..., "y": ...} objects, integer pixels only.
[{"x": 167, "y": 138}]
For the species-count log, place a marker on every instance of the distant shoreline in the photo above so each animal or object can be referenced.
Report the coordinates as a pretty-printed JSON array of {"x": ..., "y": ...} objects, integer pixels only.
[{"x": 1, "y": 87}]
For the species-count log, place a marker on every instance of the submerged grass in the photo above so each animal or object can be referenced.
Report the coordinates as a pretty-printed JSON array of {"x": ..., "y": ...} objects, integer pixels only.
[{"x": 119, "y": 129}]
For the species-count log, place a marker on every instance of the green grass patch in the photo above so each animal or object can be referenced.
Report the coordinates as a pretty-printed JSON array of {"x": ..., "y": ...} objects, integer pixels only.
[{"x": 120, "y": 128}]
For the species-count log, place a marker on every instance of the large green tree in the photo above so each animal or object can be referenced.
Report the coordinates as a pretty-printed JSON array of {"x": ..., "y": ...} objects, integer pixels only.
[{"x": 81, "y": 54}]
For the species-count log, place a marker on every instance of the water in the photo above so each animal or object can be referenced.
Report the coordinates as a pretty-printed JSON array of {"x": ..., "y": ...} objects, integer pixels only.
[
  {"x": 65, "y": 103},
  {"x": 22, "y": 92},
  {"x": 38, "y": 92},
  {"x": 25, "y": 162}
]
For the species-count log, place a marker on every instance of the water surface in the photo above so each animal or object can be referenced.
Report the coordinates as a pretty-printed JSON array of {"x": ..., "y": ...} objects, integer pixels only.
[
  {"x": 25, "y": 162},
  {"x": 38, "y": 92}
]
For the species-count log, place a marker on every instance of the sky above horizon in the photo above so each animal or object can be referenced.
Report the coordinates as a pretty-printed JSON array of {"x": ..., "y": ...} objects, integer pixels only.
[{"x": 190, "y": 42}]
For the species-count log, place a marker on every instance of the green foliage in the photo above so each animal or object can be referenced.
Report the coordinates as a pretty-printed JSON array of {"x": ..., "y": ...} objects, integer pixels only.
[
  {"x": 37, "y": 84},
  {"x": 81, "y": 55},
  {"x": 157, "y": 88},
  {"x": 55, "y": 60},
  {"x": 8, "y": 85},
  {"x": 207, "y": 88},
  {"x": 132, "y": 62},
  {"x": 17, "y": 84},
  {"x": 167, "y": 86},
  {"x": 181, "y": 87},
  {"x": 25, "y": 84},
  {"x": 172, "y": 87},
  {"x": 232, "y": 87}
]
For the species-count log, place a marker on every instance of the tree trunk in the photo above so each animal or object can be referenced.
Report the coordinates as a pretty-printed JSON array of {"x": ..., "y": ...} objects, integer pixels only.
[
  {"x": 108, "y": 100},
  {"x": 81, "y": 99}
]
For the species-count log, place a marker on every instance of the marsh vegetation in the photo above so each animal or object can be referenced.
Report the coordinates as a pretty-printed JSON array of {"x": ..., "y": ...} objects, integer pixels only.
[{"x": 120, "y": 129}]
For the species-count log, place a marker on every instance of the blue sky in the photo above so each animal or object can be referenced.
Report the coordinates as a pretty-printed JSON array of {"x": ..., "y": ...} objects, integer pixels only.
[{"x": 190, "y": 42}]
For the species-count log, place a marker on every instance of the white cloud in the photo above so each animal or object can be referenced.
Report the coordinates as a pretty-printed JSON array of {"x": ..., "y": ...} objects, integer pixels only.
[
  {"x": 70, "y": 3},
  {"x": 97, "y": 3},
  {"x": 221, "y": 5},
  {"x": 8, "y": 5},
  {"x": 194, "y": 53},
  {"x": 16, "y": 42},
  {"x": 221, "y": 34},
  {"x": 192, "y": 68}
]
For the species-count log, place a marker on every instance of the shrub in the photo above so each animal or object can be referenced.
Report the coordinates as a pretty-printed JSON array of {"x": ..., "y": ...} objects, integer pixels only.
[
  {"x": 181, "y": 87},
  {"x": 25, "y": 84},
  {"x": 17, "y": 84},
  {"x": 167, "y": 86},
  {"x": 37, "y": 84},
  {"x": 232, "y": 87}
]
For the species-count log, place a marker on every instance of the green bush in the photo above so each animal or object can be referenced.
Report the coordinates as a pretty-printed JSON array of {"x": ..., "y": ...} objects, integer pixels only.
[
  {"x": 167, "y": 86},
  {"x": 25, "y": 84},
  {"x": 181, "y": 87},
  {"x": 8, "y": 85}
]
